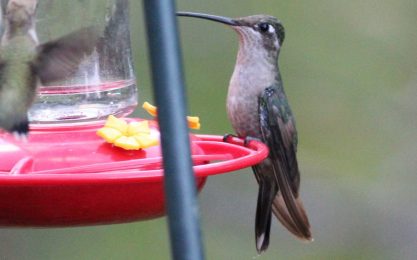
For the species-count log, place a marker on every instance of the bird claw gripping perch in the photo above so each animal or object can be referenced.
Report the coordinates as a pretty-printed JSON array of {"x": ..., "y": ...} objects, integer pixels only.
[
  {"x": 249, "y": 139},
  {"x": 228, "y": 138}
]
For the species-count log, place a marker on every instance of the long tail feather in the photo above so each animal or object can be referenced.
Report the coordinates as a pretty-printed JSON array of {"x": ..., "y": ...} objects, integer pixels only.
[
  {"x": 263, "y": 214},
  {"x": 280, "y": 210}
]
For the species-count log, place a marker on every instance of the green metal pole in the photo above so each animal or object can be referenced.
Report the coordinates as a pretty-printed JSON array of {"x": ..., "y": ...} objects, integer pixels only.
[{"x": 168, "y": 82}]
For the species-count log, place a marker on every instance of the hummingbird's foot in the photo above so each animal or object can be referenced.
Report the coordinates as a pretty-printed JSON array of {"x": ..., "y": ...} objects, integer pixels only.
[
  {"x": 20, "y": 130},
  {"x": 249, "y": 139},
  {"x": 227, "y": 137},
  {"x": 21, "y": 137}
]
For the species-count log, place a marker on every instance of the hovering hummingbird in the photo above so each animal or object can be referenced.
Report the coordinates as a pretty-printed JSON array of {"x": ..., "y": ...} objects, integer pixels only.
[
  {"x": 24, "y": 63},
  {"x": 258, "y": 109}
]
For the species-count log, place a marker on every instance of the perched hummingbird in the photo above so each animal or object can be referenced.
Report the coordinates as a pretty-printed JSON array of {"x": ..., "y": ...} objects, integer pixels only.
[
  {"x": 258, "y": 108},
  {"x": 24, "y": 63}
]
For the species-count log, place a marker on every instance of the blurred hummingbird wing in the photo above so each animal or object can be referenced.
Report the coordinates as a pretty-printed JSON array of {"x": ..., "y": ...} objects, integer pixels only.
[
  {"x": 279, "y": 133},
  {"x": 60, "y": 58}
]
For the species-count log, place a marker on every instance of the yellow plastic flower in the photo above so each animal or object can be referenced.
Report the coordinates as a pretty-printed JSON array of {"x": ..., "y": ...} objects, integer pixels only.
[
  {"x": 193, "y": 121},
  {"x": 132, "y": 136},
  {"x": 149, "y": 108}
]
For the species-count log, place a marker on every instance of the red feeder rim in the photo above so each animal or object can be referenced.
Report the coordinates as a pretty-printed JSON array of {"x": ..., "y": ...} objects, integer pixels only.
[{"x": 66, "y": 175}]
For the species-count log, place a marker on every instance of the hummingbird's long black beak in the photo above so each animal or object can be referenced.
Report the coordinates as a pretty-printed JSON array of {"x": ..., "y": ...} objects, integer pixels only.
[{"x": 220, "y": 19}]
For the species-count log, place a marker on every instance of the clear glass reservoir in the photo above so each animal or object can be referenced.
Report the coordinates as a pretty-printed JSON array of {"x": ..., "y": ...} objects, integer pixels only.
[{"x": 104, "y": 83}]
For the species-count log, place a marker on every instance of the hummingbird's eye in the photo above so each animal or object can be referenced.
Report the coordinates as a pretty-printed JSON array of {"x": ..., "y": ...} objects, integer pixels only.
[{"x": 264, "y": 27}]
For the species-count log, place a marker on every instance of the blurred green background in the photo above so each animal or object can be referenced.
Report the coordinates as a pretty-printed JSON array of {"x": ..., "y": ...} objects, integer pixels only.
[{"x": 350, "y": 72}]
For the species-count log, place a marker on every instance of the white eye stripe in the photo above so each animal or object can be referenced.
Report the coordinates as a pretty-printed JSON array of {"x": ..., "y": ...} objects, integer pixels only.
[{"x": 271, "y": 29}]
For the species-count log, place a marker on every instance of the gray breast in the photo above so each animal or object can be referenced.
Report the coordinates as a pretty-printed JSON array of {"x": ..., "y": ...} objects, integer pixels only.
[
  {"x": 252, "y": 74},
  {"x": 242, "y": 110}
]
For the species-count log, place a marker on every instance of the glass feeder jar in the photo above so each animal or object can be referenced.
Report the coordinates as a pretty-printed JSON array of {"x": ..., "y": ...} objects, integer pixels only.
[{"x": 104, "y": 83}]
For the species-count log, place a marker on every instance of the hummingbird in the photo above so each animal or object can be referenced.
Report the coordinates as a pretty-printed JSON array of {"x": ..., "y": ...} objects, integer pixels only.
[
  {"x": 258, "y": 108},
  {"x": 24, "y": 63}
]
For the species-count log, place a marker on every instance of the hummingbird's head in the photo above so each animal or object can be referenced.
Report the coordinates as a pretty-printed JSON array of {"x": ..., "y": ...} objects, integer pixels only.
[
  {"x": 21, "y": 13},
  {"x": 257, "y": 31},
  {"x": 263, "y": 30}
]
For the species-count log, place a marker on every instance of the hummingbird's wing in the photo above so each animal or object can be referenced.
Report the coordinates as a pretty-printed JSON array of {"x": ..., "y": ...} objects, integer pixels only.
[
  {"x": 279, "y": 133},
  {"x": 60, "y": 58}
]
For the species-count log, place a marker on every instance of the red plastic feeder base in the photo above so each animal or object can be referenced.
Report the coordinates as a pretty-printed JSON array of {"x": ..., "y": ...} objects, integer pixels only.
[{"x": 65, "y": 175}]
